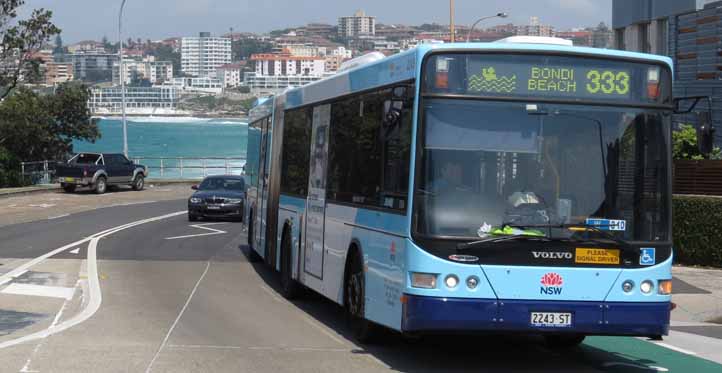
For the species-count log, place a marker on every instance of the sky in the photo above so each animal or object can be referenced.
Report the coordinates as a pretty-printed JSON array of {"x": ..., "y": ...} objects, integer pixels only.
[{"x": 157, "y": 19}]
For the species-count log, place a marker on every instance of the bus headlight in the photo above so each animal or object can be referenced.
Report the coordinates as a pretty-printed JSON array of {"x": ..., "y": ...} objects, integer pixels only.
[
  {"x": 472, "y": 282},
  {"x": 628, "y": 286},
  {"x": 665, "y": 287},
  {"x": 451, "y": 281},
  {"x": 423, "y": 280},
  {"x": 646, "y": 287}
]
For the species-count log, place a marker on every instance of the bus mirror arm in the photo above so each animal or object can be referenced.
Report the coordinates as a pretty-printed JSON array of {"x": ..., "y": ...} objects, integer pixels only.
[{"x": 705, "y": 125}]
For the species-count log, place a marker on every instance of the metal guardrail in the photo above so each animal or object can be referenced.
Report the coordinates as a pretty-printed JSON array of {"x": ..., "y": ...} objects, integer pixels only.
[{"x": 190, "y": 168}]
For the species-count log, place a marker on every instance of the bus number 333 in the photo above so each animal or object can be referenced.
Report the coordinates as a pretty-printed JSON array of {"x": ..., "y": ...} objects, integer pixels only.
[{"x": 608, "y": 82}]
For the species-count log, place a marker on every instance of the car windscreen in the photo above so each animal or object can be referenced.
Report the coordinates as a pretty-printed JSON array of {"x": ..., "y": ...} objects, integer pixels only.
[{"x": 221, "y": 183}]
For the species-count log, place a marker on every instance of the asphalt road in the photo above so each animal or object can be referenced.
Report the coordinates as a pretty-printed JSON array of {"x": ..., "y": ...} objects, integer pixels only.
[{"x": 174, "y": 296}]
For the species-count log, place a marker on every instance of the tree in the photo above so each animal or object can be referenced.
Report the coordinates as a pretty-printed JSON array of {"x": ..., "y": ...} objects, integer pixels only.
[
  {"x": 18, "y": 40},
  {"x": 39, "y": 127},
  {"x": 106, "y": 44},
  {"x": 684, "y": 145},
  {"x": 243, "y": 49}
]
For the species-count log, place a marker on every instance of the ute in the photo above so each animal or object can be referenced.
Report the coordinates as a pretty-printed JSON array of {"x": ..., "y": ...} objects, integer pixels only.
[{"x": 100, "y": 170}]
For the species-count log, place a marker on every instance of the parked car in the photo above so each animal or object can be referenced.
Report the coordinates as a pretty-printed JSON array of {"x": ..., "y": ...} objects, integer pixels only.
[
  {"x": 100, "y": 170},
  {"x": 218, "y": 197}
]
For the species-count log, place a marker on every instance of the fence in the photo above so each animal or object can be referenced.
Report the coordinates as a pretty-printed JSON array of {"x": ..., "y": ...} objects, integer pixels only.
[
  {"x": 43, "y": 172},
  {"x": 698, "y": 177}
]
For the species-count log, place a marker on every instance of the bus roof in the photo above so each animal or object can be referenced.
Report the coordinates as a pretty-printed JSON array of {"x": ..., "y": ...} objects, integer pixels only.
[{"x": 407, "y": 66}]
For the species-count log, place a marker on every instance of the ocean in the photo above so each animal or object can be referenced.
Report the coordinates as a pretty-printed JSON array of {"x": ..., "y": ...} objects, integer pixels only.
[{"x": 151, "y": 138}]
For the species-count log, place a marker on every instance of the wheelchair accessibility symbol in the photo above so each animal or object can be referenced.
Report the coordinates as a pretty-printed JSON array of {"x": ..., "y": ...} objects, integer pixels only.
[{"x": 646, "y": 256}]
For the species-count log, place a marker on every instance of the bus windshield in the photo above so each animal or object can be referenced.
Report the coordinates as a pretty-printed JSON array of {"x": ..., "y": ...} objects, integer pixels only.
[{"x": 489, "y": 164}]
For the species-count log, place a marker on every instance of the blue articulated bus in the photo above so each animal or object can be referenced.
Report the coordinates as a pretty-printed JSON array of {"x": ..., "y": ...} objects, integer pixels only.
[{"x": 509, "y": 187}]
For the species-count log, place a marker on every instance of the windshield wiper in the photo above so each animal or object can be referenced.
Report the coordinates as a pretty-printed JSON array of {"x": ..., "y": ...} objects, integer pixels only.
[
  {"x": 620, "y": 242},
  {"x": 481, "y": 243}
]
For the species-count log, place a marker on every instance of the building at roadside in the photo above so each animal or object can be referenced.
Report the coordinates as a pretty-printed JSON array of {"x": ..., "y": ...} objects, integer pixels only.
[
  {"x": 535, "y": 28},
  {"x": 230, "y": 75},
  {"x": 57, "y": 73},
  {"x": 200, "y": 56},
  {"x": 139, "y": 100},
  {"x": 356, "y": 25},
  {"x": 91, "y": 67},
  {"x": 155, "y": 72},
  {"x": 643, "y": 25}
]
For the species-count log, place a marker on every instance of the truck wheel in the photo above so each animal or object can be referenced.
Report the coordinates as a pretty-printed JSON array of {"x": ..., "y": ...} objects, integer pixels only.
[
  {"x": 100, "y": 185},
  {"x": 563, "y": 341},
  {"x": 139, "y": 182},
  {"x": 68, "y": 188}
]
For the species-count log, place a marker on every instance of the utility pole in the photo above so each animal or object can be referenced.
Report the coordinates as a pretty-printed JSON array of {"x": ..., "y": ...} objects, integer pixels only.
[
  {"x": 122, "y": 80},
  {"x": 451, "y": 21}
]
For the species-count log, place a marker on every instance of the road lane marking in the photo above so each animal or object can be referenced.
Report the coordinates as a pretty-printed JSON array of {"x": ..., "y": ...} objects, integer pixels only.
[
  {"x": 39, "y": 291},
  {"x": 200, "y": 226},
  {"x": 180, "y": 314},
  {"x": 675, "y": 348},
  {"x": 58, "y": 216},
  {"x": 76, "y": 251},
  {"x": 94, "y": 298},
  {"x": 5, "y": 280}
]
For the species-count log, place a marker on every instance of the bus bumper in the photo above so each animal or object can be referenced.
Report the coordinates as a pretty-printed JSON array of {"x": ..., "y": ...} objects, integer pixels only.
[{"x": 435, "y": 314}]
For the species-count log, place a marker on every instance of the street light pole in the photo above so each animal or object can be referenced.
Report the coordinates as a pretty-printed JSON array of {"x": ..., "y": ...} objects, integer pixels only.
[
  {"x": 122, "y": 79},
  {"x": 452, "y": 31},
  {"x": 500, "y": 15}
]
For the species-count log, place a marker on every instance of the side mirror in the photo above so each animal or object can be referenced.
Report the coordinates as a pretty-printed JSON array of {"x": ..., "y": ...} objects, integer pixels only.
[
  {"x": 194, "y": 187},
  {"x": 392, "y": 112},
  {"x": 705, "y": 133}
]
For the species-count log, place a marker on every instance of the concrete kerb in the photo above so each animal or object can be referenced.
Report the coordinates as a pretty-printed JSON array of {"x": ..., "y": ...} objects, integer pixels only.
[{"x": 45, "y": 188}]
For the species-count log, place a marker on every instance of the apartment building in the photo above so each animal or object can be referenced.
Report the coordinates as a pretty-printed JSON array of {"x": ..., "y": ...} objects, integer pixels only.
[
  {"x": 200, "y": 56},
  {"x": 356, "y": 25},
  {"x": 156, "y": 72}
]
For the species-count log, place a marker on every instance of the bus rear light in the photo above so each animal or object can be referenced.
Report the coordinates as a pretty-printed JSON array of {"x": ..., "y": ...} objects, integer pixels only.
[
  {"x": 423, "y": 280},
  {"x": 653, "y": 90},
  {"x": 665, "y": 287}
]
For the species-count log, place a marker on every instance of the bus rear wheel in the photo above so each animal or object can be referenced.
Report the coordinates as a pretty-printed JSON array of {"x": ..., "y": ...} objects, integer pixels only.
[
  {"x": 355, "y": 301},
  {"x": 290, "y": 288},
  {"x": 563, "y": 341}
]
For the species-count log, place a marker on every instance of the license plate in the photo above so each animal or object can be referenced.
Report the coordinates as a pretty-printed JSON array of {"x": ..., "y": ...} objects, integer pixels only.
[
  {"x": 597, "y": 256},
  {"x": 68, "y": 179},
  {"x": 214, "y": 207},
  {"x": 551, "y": 319}
]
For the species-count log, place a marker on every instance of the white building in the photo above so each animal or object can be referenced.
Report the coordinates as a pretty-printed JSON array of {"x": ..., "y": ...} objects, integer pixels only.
[
  {"x": 200, "y": 56},
  {"x": 342, "y": 52},
  {"x": 156, "y": 72},
  {"x": 205, "y": 84},
  {"x": 355, "y": 25},
  {"x": 302, "y": 50},
  {"x": 535, "y": 28},
  {"x": 285, "y": 64},
  {"x": 139, "y": 100},
  {"x": 230, "y": 75},
  {"x": 270, "y": 84}
]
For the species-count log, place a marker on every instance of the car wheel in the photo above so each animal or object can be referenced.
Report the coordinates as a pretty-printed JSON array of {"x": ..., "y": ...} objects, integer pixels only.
[
  {"x": 364, "y": 330},
  {"x": 68, "y": 188},
  {"x": 563, "y": 341},
  {"x": 100, "y": 185},
  {"x": 290, "y": 288},
  {"x": 139, "y": 182}
]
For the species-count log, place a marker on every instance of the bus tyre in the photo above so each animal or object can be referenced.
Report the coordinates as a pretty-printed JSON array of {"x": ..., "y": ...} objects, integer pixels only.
[
  {"x": 138, "y": 182},
  {"x": 253, "y": 256},
  {"x": 563, "y": 341},
  {"x": 290, "y": 288},
  {"x": 68, "y": 188},
  {"x": 100, "y": 185},
  {"x": 355, "y": 301}
]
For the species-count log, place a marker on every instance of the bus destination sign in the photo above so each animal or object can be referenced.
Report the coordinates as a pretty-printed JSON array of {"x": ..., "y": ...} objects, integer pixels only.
[{"x": 548, "y": 81}]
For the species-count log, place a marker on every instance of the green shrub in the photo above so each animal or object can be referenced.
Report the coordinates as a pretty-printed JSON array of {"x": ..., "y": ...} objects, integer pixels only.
[{"x": 697, "y": 230}]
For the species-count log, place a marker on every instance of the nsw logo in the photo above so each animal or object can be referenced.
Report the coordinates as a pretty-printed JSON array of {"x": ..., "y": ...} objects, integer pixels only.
[{"x": 551, "y": 284}]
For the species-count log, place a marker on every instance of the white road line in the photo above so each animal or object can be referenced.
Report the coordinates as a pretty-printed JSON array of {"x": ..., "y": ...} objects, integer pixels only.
[
  {"x": 675, "y": 348},
  {"x": 58, "y": 217},
  {"x": 39, "y": 291},
  {"x": 200, "y": 226},
  {"x": 180, "y": 314},
  {"x": 75, "y": 251},
  {"x": 94, "y": 294},
  {"x": 4, "y": 280}
]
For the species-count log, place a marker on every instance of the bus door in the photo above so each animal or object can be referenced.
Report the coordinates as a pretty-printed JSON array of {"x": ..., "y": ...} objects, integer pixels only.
[
  {"x": 261, "y": 204},
  {"x": 316, "y": 200}
]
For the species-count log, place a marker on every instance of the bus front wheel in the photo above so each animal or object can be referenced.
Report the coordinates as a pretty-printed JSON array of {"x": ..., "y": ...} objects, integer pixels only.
[{"x": 355, "y": 302}]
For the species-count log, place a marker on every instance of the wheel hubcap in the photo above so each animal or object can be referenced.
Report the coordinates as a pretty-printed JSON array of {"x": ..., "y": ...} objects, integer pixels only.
[{"x": 354, "y": 294}]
